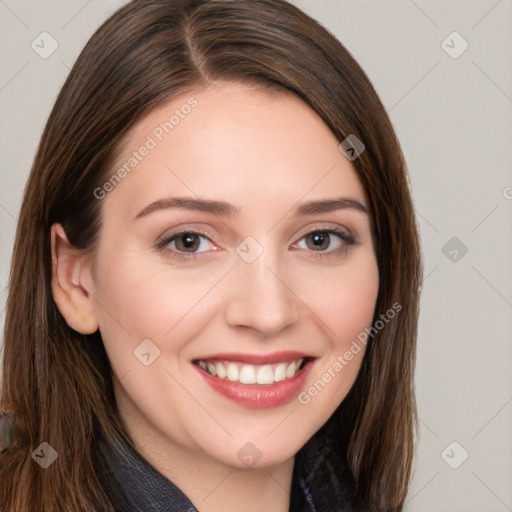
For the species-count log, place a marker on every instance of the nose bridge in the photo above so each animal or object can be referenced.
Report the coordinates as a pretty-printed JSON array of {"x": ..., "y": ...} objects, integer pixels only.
[{"x": 262, "y": 298}]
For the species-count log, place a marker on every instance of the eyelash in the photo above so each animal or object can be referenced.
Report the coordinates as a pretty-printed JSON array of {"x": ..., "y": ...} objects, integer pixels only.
[
  {"x": 345, "y": 238},
  {"x": 167, "y": 239}
]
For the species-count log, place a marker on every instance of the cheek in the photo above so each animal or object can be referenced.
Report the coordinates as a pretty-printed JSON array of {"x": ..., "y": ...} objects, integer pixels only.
[
  {"x": 137, "y": 301},
  {"x": 346, "y": 308},
  {"x": 345, "y": 298}
]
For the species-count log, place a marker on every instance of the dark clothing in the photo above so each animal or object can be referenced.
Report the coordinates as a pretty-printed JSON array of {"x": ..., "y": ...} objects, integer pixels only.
[{"x": 320, "y": 482}]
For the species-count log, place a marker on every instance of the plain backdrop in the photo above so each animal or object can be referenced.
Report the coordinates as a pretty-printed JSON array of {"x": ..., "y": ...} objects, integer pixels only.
[{"x": 443, "y": 69}]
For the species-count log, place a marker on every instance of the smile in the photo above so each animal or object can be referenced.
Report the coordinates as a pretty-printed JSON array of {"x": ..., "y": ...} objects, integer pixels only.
[
  {"x": 264, "y": 374},
  {"x": 257, "y": 381}
]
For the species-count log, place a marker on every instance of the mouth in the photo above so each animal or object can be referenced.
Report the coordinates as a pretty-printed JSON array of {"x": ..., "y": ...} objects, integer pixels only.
[
  {"x": 256, "y": 381},
  {"x": 261, "y": 374}
]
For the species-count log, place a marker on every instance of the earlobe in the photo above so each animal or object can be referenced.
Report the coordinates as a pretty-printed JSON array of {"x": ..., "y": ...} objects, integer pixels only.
[{"x": 74, "y": 301}]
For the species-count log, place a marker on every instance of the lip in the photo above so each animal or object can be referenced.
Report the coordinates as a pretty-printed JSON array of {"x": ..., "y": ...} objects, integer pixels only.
[
  {"x": 258, "y": 359},
  {"x": 258, "y": 396}
]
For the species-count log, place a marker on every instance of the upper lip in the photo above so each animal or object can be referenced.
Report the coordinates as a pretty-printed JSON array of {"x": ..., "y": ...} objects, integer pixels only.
[{"x": 257, "y": 359}]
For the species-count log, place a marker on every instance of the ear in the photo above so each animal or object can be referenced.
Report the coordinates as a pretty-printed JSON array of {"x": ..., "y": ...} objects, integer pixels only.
[{"x": 70, "y": 268}]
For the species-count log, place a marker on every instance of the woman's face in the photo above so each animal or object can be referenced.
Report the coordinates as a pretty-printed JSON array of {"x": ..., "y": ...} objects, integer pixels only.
[{"x": 234, "y": 241}]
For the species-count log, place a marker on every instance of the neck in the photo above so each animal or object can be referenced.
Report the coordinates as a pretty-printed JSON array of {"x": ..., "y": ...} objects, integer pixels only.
[{"x": 210, "y": 485}]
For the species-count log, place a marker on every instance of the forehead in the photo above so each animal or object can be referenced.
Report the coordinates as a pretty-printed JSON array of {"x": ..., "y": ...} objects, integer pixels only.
[{"x": 234, "y": 142}]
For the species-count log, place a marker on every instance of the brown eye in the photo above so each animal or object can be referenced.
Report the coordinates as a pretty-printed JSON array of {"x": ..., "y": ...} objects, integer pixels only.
[
  {"x": 318, "y": 240},
  {"x": 324, "y": 243},
  {"x": 187, "y": 242}
]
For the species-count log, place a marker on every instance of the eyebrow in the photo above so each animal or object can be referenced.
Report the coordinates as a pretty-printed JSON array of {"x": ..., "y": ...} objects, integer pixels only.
[
  {"x": 225, "y": 209},
  {"x": 330, "y": 205},
  {"x": 189, "y": 203}
]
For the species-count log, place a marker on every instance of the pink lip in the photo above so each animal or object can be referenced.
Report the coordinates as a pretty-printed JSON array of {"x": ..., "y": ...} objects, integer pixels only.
[
  {"x": 271, "y": 358},
  {"x": 257, "y": 396}
]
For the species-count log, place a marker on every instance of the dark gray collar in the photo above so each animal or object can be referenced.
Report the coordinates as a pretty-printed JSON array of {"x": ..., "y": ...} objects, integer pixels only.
[{"x": 321, "y": 482}]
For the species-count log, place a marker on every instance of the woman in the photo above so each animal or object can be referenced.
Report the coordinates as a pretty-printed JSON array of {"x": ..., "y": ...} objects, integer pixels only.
[{"x": 214, "y": 288}]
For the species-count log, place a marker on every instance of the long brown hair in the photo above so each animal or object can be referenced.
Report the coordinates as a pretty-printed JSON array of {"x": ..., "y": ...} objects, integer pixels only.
[{"x": 56, "y": 384}]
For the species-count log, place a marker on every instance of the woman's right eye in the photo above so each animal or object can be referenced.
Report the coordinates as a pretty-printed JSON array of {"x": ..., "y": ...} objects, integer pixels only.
[{"x": 185, "y": 244}]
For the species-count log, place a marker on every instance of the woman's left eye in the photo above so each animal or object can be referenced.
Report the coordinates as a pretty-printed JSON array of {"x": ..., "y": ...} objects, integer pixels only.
[{"x": 325, "y": 240}]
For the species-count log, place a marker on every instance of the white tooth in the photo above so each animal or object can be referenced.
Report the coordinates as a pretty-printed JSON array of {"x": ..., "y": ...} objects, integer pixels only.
[
  {"x": 202, "y": 364},
  {"x": 232, "y": 372},
  {"x": 211, "y": 369},
  {"x": 290, "y": 371},
  {"x": 221, "y": 371},
  {"x": 299, "y": 362},
  {"x": 247, "y": 374},
  {"x": 265, "y": 375},
  {"x": 280, "y": 372}
]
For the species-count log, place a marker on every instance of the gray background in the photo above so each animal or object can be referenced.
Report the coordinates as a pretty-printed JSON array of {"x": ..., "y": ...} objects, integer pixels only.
[{"x": 453, "y": 118}]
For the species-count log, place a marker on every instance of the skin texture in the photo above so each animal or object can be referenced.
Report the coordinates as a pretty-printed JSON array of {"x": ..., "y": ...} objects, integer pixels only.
[{"x": 266, "y": 153}]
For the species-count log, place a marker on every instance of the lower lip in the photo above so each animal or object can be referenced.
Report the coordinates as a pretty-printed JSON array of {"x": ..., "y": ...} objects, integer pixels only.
[{"x": 258, "y": 396}]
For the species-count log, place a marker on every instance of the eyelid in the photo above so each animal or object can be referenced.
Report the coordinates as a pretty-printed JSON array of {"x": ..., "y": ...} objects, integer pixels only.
[
  {"x": 332, "y": 227},
  {"x": 164, "y": 239}
]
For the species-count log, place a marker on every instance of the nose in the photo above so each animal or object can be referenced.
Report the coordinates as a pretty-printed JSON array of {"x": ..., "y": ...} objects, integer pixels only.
[{"x": 261, "y": 298}]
